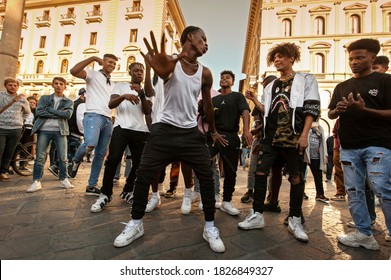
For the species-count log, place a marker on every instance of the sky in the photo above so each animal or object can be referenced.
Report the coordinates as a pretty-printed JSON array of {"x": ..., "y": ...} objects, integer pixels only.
[{"x": 225, "y": 26}]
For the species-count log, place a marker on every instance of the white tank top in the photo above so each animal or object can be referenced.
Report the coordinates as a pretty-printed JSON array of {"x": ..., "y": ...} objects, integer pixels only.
[{"x": 180, "y": 98}]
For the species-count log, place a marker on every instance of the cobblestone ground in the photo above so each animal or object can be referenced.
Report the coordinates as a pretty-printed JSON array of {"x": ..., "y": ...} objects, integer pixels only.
[{"x": 54, "y": 223}]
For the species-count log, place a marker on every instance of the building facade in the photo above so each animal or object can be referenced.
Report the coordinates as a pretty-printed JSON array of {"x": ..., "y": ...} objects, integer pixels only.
[
  {"x": 57, "y": 34},
  {"x": 323, "y": 29}
]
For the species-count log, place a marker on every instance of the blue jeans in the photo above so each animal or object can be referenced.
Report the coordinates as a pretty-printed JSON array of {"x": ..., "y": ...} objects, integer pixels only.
[
  {"x": 97, "y": 134},
  {"x": 216, "y": 177},
  {"x": 43, "y": 140},
  {"x": 357, "y": 165},
  {"x": 245, "y": 155}
]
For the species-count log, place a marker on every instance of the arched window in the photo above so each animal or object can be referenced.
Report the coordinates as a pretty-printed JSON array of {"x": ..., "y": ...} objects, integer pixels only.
[
  {"x": 355, "y": 24},
  {"x": 40, "y": 66},
  {"x": 131, "y": 59},
  {"x": 319, "y": 25},
  {"x": 319, "y": 63},
  {"x": 286, "y": 27},
  {"x": 64, "y": 66}
]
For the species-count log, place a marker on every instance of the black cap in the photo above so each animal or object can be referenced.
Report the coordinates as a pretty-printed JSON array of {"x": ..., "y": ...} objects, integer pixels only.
[{"x": 82, "y": 91}]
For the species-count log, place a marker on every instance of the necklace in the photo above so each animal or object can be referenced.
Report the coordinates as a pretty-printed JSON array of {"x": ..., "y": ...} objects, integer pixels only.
[
  {"x": 287, "y": 77},
  {"x": 192, "y": 65}
]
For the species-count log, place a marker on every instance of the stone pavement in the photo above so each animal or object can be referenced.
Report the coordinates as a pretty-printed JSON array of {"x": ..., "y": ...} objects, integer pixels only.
[{"x": 54, "y": 223}]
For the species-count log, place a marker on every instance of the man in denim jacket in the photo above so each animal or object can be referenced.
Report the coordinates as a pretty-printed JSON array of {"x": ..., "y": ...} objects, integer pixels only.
[{"x": 52, "y": 113}]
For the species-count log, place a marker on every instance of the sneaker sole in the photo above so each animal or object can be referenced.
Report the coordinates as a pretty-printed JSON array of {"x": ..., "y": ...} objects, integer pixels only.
[
  {"x": 124, "y": 243},
  {"x": 250, "y": 228},
  {"x": 357, "y": 245},
  {"x": 97, "y": 210},
  {"x": 297, "y": 238},
  {"x": 213, "y": 249},
  {"x": 232, "y": 214},
  {"x": 54, "y": 173}
]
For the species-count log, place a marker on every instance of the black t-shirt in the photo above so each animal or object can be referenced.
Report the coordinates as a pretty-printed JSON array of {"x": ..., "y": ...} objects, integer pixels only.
[
  {"x": 228, "y": 109},
  {"x": 358, "y": 130}
]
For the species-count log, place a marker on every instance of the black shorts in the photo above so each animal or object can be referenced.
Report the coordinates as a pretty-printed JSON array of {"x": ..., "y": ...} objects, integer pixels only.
[{"x": 272, "y": 155}]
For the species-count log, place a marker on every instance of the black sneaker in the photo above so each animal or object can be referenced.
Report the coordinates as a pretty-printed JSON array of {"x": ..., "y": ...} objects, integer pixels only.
[
  {"x": 170, "y": 193},
  {"x": 93, "y": 190},
  {"x": 54, "y": 170},
  {"x": 272, "y": 207},
  {"x": 247, "y": 197},
  {"x": 127, "y": 196},
  {"x": 286, "y": 220},
  {"x": 72, "y": 170}
]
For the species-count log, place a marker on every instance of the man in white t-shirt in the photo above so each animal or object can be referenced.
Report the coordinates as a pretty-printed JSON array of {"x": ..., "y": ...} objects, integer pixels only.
[
  {"x": 130, "y": 130},
  {"x": 97, "y": 119}
]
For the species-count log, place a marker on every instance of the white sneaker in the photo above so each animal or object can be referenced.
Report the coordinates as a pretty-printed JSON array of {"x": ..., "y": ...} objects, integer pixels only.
[
  {"x": 296, "y": 228},
  {"x": 153, "y": 202},
  {"x": 252, "y": 221},
  {"x": 186, "y": 205},
  {"x": 35, "y": 186},
  {"x": 66, "y": 184},
  {"x": 357, "y": 239},
  {"x": 212, "y": 235},
  {"x": 100, "y": 203},
  {"x": 130, "y": 233},
  {"x": 229, "y": 209},
  {"x": 195, "y": 196},
  {"x": 218, "y": 202}
]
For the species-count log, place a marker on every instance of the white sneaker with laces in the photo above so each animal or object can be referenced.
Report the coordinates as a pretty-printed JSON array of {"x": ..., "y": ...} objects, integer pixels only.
[
  {"x": 100, "y": 203},
  {"x": 66, "y": 184},
  {"x": 218, "y": 202},
  {"x": 296, "y": 228},
  {"x": 252, "y": 221},
  {"x": 186, "y": 205},
  {"x": 357, "y": 239},
  {"x": 229, "y": 209},
  {"x": 153, "y": 202},
  {"x": 212, "y": 235},
  {"x": 35, "y": 186},
  {"x": 130, "y": 233},
  {"x": 195, "y": 196}
]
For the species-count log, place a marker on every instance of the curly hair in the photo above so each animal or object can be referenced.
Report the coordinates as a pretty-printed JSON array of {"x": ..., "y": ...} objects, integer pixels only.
[
  {"x": 285, "y": 49},
  {"x": 229, "y": 72}
]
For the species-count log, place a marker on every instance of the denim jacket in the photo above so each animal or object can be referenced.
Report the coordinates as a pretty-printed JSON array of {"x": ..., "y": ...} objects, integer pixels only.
[{"x": 45, "y": 110}]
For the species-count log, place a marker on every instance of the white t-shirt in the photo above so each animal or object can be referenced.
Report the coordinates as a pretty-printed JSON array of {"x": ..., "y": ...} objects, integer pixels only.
[
  {"x": 98, "y": 93},
  {"x": 129, "y": 116},
  {"x": 81, "y": 109},
  {"x": 180, "y": 93}
]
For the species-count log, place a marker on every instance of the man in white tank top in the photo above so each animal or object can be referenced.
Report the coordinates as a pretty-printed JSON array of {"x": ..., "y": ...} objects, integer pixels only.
[{"x": 176, "y": 136}]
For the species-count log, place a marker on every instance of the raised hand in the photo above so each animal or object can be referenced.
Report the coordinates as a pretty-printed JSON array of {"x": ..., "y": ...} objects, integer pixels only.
[{"x": 161, "y": 63}]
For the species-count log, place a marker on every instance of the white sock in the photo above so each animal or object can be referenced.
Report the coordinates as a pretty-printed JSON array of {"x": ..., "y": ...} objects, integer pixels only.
[
  {"x": 155, "y": 194},
  {"x": 188, "y": 192},
  {"x": 137, "y": 222},
  {"x": 209, "y": 224}
]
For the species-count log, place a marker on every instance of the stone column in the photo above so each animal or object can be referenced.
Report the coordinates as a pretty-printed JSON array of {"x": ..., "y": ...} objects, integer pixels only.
[{"x": 10, "y": 38}]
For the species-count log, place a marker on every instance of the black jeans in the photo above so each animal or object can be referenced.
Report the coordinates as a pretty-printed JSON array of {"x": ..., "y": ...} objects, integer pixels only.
[
  {"x": 166, "y": 144},
  {"x": 121, "y": 138},
  {"x": 318, "y": 175},
  {"x": 230, "y": 156},
  {"x": 8, "y": 141},
  {"x": 330, "y": 166},
  {"x": 295, "y": 167}
]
